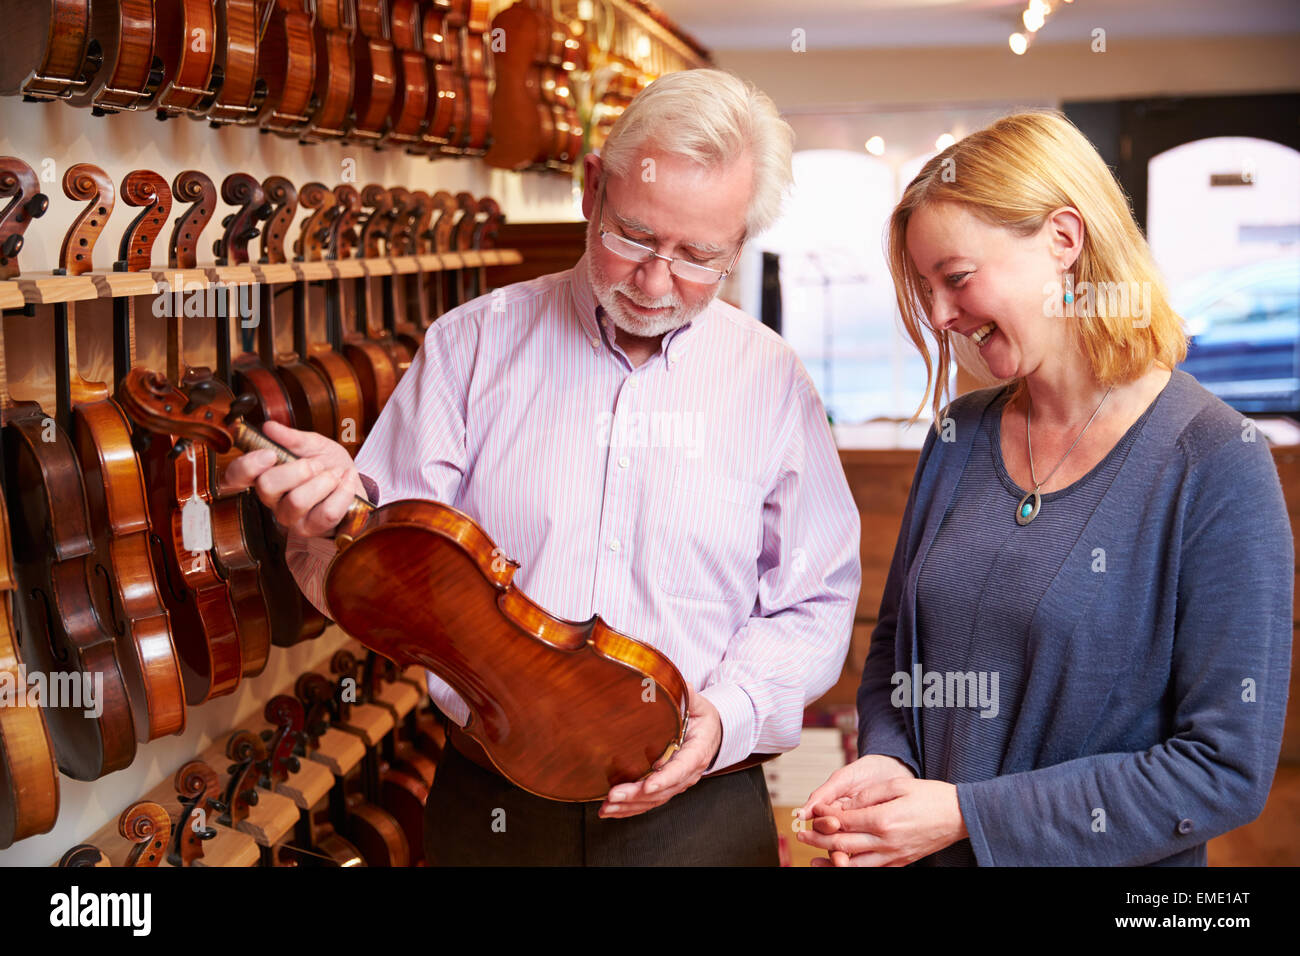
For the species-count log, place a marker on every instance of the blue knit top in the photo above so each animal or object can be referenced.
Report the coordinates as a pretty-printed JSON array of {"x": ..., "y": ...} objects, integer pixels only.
[
  {"x": 1140, "y": 627},
  {"x": 976, "y": 595}
]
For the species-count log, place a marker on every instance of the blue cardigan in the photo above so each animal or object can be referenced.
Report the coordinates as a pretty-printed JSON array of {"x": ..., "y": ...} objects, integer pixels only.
[{"x": 1152, "y": 714}]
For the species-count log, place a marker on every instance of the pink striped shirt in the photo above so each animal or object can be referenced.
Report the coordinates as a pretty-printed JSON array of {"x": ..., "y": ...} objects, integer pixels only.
[{"x": 696, "y": 503}]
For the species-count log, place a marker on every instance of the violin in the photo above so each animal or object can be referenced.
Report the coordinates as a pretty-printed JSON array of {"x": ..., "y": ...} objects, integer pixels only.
[
  {"x": 565, "y": 710},
  {"x": 410, "y": 113},
  {"x": 271, "y": 379},
  {"x": 308, "y": 392},
  {"x": 196, "y": 596},
  {"x": 188, "y": 65},
  {"x": 123, "y": 38},
  {"x": 147, "y": 826},
  {"x": 525, "y": 119},
  {"x": 308, "y": 784},
  {"x": 237, "y": 532},
  {"x": 235, "y": 72},
  {"x": 47, "y": 49},
  {"x": 376, "y": 76},
  {"x": 448, "y": 97},
  {"x": 347, "y": 412},
  {"x": 403, "y": 331},
  {"x": 474, "y": 137},
  {"x": 485, "y": 237},
  {"x": 61, "y": 619},
  {"x": 361, "y": 346},
  {"x": 29, "y": 780},
  {"x": 395, "y": 789},
  {"x": 115, "y": 487},
  {"x": 375, "y": 243},
  {"x": 445, "y": 211},
  {"x": 462, "y": 240},
  {"x": 352, "y": 810},
  {"x": 197, "y": 788},
  {"x": 333, "y": 27},
  {"x": 287, "y": 67}
]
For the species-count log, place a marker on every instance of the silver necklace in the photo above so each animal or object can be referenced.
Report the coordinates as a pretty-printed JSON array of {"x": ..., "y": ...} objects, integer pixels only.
[{"x": 1030, "y": 504}]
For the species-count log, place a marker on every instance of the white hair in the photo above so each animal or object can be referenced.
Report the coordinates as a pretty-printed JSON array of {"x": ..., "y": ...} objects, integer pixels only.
[{"x": 709, "y": 117}]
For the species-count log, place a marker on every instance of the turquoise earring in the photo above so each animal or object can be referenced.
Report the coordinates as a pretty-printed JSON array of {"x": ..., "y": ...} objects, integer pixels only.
[{"x": 1069, "y": 297}]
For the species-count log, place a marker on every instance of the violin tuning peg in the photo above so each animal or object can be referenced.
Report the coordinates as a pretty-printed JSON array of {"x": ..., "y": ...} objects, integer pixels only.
[
  {"x": 250, "y": 797},
  {"x": 267, "y": 735},
  {"x": 228, "y": 219},
  {"x": 207, "y": 833},
  {"x": 241, "y": 407},
  {"x": 141, "y": 440},
  {"x": 11, "y": 246},
  {"x": 179, "y": 448},
  {"x": 263, "y": 211},
  {"x": 201, "y": 392},
  {"x": 37, "y": 205},
  {"x": 217, "y": 249},
  {"x": 294, "y": 764}
]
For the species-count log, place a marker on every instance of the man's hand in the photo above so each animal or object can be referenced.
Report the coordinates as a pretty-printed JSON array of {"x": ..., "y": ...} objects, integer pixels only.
[
  {"x": 682, "y": 770},
  {"x": 308, "y": 496}
]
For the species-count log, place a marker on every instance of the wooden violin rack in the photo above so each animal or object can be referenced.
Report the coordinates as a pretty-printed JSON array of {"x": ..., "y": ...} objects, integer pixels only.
[
  {"x": 46, "y": 288},
  {"x": 257, "y": 836}
]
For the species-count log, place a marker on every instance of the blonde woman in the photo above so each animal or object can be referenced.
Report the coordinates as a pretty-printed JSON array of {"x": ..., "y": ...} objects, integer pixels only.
[{"x": 1083, "y": 647}]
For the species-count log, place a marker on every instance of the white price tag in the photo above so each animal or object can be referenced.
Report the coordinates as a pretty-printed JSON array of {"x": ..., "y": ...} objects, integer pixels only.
[{"x": 196, "y": 522}]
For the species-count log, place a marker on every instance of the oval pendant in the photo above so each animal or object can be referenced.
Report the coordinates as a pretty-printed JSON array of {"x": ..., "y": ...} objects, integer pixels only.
[{"x": 1027, "y": 510}]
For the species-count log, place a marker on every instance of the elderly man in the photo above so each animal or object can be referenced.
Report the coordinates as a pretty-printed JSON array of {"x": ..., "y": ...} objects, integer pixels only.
[{"x": 644, "y": 452}]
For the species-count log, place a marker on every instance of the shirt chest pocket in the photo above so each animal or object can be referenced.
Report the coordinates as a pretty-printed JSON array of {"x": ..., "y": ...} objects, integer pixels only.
[{"x": 709, "y": 536}]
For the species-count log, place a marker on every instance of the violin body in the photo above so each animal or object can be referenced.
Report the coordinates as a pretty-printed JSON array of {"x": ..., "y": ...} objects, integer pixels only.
[
  {"x": 29, "y": 780},
  {"x": 564, "y": 710},
  {"x": 122, "y": 35},
  {"x": 333, "y": 27},
  {"x": 187, "y": 66},
  {"x": 197, "y": 598},
  {"x": 287, "y": 65},
  {"x": 448, "y": 96},
  {"x": 119, "y": 517},
  {"x": 411, "y": 103},
  {"x": 376, "y": 72},
  {"x": 235, "y": 71},
  {"x": 46, "y": 48},
  {"x": 474, "y": 136},
  {"x": 60, "y": 628}
]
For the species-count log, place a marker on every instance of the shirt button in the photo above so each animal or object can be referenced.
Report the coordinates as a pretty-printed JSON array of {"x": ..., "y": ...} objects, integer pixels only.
[
  {"x": 623, "y": 462},
  {"x": 1186, "y": 826},
  {"x": 632, "y": 384},
  {"x": 613, "y": 544}
]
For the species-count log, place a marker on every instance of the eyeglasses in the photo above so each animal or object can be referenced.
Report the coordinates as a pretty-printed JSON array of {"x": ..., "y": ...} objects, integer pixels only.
[{"x": 635, "y": 252}]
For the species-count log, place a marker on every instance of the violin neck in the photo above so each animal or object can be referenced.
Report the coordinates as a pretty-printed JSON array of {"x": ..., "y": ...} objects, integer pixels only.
[{"x": 248, "y": 438}]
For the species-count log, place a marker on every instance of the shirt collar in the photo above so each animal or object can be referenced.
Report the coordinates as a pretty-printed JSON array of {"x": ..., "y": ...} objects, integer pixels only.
[{"x": 596, "y": 326}]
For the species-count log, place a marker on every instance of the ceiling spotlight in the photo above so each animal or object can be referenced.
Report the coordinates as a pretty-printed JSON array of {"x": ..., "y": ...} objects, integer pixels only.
[
  {"x": 944, "y": 141},
  {"x": 875, "y": 146},
  {"x": 1033, "y": 19},
  {"x": 1018, "y": 43}
]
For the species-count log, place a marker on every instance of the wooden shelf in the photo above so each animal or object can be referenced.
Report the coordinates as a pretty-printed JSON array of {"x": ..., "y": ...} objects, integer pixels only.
[
  {"x": 11, "y": 297},
  {"x": 45, "y": 288}
]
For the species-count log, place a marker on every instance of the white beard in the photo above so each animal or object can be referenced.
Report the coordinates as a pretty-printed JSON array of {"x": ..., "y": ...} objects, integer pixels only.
[{"x": 628, "y": 320}]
